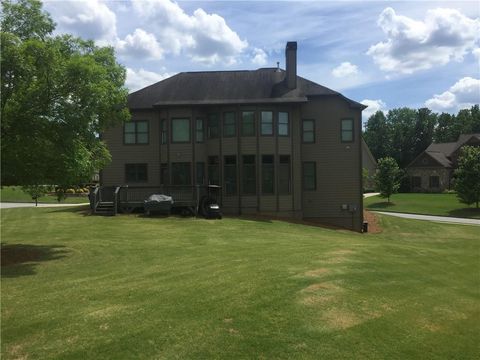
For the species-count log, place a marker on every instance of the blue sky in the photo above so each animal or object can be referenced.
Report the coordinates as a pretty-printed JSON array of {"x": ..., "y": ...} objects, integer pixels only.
[{"x": 382, "y": 53}]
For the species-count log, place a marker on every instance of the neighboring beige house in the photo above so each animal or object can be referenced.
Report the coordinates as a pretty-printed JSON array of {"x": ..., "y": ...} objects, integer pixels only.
[
  {"x": 432, "y": 170},
  {"x": 370, "y": 164},
  {"x": 277, "y": 143}
]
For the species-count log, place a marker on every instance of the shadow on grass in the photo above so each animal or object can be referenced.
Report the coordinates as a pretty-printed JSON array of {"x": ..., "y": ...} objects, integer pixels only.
[
  {"x": 380, "y": 205},
  {"x": 80, "y": 210},
  {"x": 465, "y": 213},
  {"x": 21, "y": 259}
]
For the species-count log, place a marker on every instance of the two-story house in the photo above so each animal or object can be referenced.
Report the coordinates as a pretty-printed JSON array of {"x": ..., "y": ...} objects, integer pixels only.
[{"x": 278, "y": 144}]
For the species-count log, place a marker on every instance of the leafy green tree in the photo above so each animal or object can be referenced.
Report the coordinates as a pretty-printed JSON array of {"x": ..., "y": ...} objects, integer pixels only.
[
  {"x": 377, "y": 135},
  {"x": 425, "y": 124},
  {"x": 444, "y": 131},
  {"x": 387, "y": 177},
  {"x": 58, "y": 94},
  {"x": 36, "y": 191},
  {"x": 403, "y": 139},
  {"x": 467, "y": 176}
]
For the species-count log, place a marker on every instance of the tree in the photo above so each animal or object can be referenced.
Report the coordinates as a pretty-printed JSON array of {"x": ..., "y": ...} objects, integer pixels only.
[
  {"x": 58, "y": 94},
  {"x": 377, "y": 135},
  {"x": 424, "y": 128},
  {"x": 467, "y": 176},
  {"x": 36, "y": 191},
  {"x": 387, "y": 177},
  {"x": 444, "y": 131}
]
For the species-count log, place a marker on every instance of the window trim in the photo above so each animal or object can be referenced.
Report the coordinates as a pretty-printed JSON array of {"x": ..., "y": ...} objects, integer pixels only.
[
  {"x": 313, "y": 131},
  {"x": 136, "y": 132},
  {"x": 163, "y": 132},
  {"x": 136, "y": 181},
  {"x": 273, "y": 123},
  {"x": 288, "y": 123},
  {"x": 341, "y": 130},
  {"x": 304, "y": 188},
  {"x": 189, "y": 130}
]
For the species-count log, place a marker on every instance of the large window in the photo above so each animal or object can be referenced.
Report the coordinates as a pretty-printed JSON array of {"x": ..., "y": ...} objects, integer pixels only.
[
  {"x": 181, "y": 174},
  {"x": 283, "y": 124},
  {"x": 163, "y": 131},
  {"x": 284, "y": 175},
  {"x": 213, "y": 126},
  {"x": 268, "y": 174},
  {"x": 308, "y": 130},
  {"x": 200, "y": 131},
  {"x": 266, "y": 123},
  {"x": 249, "y": 180},
  {"x": 248, "y": 123},
  {"x": 180, "y": 130},
  {"x": 309, "y": 176},
  {"x": 164, "y": 174},
  {"x": 136, "y": 173},
  {"x": 200, "y": 173},
  {"x": 434, "y": 182},
  {"x": 135, "y": 132},
  {"x": 213, "y": 170},
  {"x": 229, "y": 128},
  {"x": 230, "y": 174},
  {"x": 347, "y": 130}
]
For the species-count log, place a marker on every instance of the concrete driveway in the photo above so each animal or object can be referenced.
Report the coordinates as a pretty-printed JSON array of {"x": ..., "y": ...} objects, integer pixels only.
[
  {"x": 442, "y": 219},
  {"x": 9, "y": 205}
]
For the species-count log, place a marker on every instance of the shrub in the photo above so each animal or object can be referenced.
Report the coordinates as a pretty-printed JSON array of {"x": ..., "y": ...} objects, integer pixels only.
[
  {"x": 70, "y": 191},
  {"x": 79, "y": 191}
]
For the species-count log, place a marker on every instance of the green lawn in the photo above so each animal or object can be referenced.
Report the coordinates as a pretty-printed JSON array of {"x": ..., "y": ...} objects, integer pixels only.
[
  {"x": 129, "y": 287},
  {"x": 430, "y": 204},
  {"x": 15, "y": 194}
]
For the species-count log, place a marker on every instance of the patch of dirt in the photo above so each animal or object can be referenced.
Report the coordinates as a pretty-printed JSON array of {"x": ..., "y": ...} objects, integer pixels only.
[
  {"x": 228, "y": 320},
  {"x": 317, "y": 272},
  {"x": 16, "y": 352},
  {"x": 373, "y": 223},
  {"x": 316, "y": 299},
  {"x": 337, "y": 319},
  {"x": 232, "y": 331}
]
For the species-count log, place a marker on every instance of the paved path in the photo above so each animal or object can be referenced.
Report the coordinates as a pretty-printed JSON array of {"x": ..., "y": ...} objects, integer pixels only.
[
  {"x": 444, "y": 219},
  {"x": 9, "y": 205},
  {"x": 370, "y": 194}
]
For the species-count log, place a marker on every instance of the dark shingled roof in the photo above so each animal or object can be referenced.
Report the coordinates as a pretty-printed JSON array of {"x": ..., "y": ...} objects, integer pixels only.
[
  {"x": 442, "y": 152},
  {"x": 264, "y": 85}
]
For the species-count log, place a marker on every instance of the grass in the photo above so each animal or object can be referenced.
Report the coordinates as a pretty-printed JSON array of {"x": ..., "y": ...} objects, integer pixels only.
[
  {"x": 16, "y": 194},
  {"x": 87, "y": 287},
  {"x": 429, "y": 204}
]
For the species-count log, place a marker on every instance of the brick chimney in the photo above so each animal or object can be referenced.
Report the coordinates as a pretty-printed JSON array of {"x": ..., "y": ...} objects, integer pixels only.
[{"x": 291, "y": 65}]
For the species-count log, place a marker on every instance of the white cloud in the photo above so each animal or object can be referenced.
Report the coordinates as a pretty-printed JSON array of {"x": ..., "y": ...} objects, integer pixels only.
[
  {"x": 139, "y": 79},
  {"x": 345, "y": 69},
  {"x": 259, "y": 57},
  {"x": 463, "y": 94},
  {"x": 140, "y": 44},
  {"x": 90, "y": 19},
  {"x": 444, "y": 35},
  {"x": 203, "y": 37},
  {"x": 476, "y": 54},
  {"x": 373, "y": 107}
]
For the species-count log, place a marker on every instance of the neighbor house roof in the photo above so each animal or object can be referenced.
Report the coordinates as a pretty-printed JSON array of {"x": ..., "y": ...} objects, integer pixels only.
[
  {"x": 264, "y": 85},
  {"x": 441, "y": 152}
]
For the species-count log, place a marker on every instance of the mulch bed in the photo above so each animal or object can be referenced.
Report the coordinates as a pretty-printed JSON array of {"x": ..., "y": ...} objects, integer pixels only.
[{"x": 373, "y": 223}]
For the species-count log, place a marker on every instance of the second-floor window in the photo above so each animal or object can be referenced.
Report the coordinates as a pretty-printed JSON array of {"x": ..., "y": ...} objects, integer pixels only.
[
  {"x": 308, "y": 130},
  {"x": 180, "y": 130},
  {"x": 135, "y": 132},
  {"x": 266, "y": 123},
  {"x": 347, "y": 130},
  {"x": 248, "y": 123},
  {"x": 213, "y": 126},
  {"x": 283, "y": 124},
  {"x": 200, "y": 133},
  {"x": 229, "y": 128}
]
